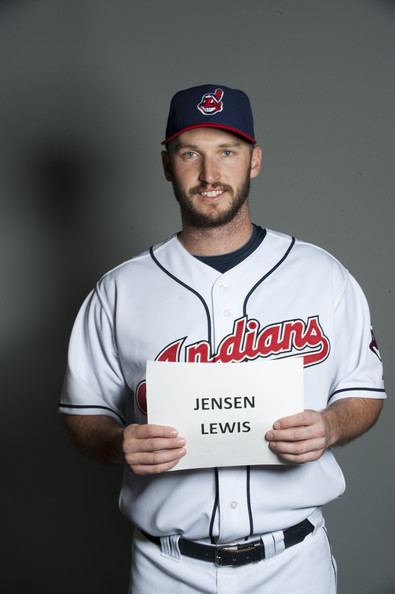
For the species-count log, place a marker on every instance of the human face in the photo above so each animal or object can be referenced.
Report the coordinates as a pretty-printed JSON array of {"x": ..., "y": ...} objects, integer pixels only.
[{"x": 210, "y": 170}]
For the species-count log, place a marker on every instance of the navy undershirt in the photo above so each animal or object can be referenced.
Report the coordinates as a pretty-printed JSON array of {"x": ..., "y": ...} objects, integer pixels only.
[{"x": 225, "y": 262}]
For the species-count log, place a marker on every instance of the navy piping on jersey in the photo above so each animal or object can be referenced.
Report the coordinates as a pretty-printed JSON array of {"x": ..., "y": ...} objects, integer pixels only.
[
  {"x": 215, "y": 506},
  {"x": 360, "y": 389},
  {"x": 248, "y": 477},
  {"x": 94, "y": 406},
  {"x": 177, "y": 280},
  {"x": 245, "y": 313},
  {"x": 266, "y": 275}
]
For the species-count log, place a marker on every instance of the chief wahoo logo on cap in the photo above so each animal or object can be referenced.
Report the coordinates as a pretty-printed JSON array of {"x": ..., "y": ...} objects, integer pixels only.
[{"x": 211, "y": 103}]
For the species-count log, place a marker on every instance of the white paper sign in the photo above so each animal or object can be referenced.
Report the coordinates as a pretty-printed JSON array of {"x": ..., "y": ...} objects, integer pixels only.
[{"x": 223, "y": 410}]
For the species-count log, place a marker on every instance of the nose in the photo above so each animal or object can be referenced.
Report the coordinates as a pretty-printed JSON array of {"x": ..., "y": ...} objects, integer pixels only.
[{"x": 209, "y": 170}]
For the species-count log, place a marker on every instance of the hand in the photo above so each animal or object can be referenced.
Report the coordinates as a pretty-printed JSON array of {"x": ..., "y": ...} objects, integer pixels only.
[
  {"x": 151, "y": 449},
  {"x": 302, "y": 437}
]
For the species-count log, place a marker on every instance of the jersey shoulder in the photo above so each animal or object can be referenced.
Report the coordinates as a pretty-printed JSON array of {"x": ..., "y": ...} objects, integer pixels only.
[
  {"x": 137, "y": 262},
  {"x": 304, "y": 247},
  {"x": 313, "y": 259},
  {"x": 134, "y": 271},
  {"x": 317, "y": 253}
]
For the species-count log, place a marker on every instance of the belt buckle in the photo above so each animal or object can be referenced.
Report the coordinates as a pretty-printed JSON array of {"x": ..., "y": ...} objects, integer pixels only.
[{"x": 234, "y": 550}]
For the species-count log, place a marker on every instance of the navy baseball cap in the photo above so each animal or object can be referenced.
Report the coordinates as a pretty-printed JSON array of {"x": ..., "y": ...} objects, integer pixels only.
[{"x": 213, "y": 106}]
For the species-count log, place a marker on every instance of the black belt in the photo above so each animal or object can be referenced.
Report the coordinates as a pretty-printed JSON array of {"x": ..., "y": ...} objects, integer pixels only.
[{"x": 239, "y": 554}]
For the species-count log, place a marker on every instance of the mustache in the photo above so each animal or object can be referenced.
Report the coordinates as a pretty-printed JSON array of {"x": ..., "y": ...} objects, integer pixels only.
[{"x": 208, "y": 187}]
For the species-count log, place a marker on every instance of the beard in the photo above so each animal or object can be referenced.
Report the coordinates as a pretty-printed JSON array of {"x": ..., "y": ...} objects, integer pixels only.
[{"x": 216, "y": 217}]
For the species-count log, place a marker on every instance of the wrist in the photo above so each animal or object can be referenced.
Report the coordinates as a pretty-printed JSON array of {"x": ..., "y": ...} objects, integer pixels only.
[
  {"x": 332, "y": 427},
  {"x": 117, "y": 437}
]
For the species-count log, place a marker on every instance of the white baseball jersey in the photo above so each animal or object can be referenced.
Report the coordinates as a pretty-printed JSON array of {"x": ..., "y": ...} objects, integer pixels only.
[{"x": 288, "y": 298}]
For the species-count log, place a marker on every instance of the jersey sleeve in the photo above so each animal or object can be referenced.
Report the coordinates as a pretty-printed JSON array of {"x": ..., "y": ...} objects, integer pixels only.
[
  {"x": 359, "y": 371},
  {"x": 94, "y": 383}
]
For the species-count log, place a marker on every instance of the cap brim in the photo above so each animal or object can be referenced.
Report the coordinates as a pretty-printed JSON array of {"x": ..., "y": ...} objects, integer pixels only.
[{"x": 211, "y": 125}]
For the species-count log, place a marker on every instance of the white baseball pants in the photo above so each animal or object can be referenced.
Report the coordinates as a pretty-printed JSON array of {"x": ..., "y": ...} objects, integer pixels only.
[{"x": 305, "y": 568}]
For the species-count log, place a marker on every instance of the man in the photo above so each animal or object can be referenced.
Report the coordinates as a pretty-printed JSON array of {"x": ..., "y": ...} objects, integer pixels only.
[{"x": 241, "y": 529}]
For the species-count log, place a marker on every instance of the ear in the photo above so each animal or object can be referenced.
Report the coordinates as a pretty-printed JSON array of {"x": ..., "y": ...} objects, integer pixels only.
[
  {"x": 166, "y": 165},
  {"x": 256, "y": 161}
]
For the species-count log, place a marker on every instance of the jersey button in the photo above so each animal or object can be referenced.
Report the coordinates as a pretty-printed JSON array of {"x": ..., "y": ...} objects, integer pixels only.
[
  {"x": 233, "y": 504},
  {"x": 227, "y": 312}
]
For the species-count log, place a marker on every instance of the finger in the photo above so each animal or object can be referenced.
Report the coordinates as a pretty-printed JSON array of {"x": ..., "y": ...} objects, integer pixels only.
[
  {"x": 301, "y": 458},
  {"x": 295, "y": 433},
  {"x": 150, "y": 430},
  {"x": 149, "y": 470},
  {"x": 307, "y": 417},
  {"x": 153, "y": 444},
  {"x": 298, "y": 448},
  {"x": 155, "y": 458}
]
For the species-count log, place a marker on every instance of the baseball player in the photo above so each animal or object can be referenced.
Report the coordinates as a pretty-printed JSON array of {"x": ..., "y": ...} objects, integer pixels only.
[{"x": 223, "y": 290}]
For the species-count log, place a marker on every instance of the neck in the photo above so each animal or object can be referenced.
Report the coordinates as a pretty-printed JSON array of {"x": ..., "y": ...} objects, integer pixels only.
[{"x": 217, "y": 240}]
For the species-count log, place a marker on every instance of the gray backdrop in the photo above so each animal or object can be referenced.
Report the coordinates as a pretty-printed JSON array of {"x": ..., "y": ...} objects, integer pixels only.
[{"x": 84, "y": 93}]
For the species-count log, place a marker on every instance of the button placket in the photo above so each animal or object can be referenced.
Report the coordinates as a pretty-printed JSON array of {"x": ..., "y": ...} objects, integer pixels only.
[
  {"x": 233, "y": 505},
  {"x": 223, "y": 310},
  {"x": 226, "y": 306}
]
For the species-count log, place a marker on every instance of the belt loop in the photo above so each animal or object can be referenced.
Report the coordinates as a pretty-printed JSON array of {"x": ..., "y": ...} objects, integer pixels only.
[
  {"x": 279, "y": 543},
  {"x": 273, "y": 543},
  {"x": 169, "y": 547},
  {"x": 317, "y": 519},
  {"x": 269, "y": 544}
]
